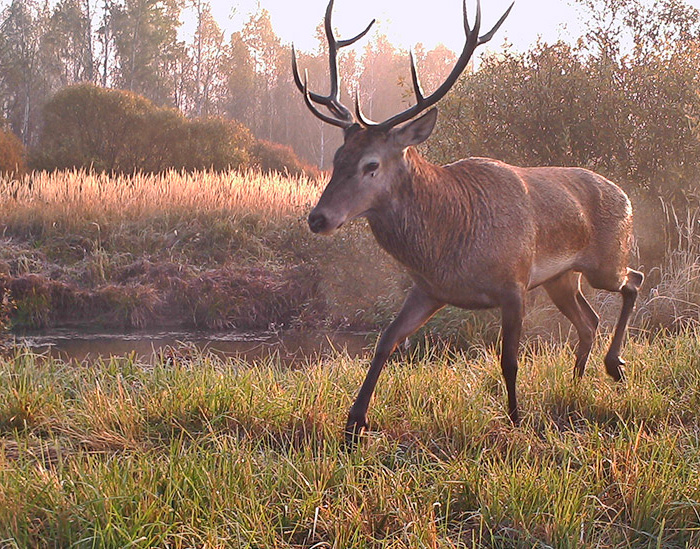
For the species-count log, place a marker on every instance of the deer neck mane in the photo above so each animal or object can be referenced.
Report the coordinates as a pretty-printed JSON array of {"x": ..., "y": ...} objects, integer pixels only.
[{"x": 427, "y": 220}]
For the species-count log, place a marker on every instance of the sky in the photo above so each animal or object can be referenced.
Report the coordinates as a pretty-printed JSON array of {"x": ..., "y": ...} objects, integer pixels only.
[{"x": 407, "y": 23}]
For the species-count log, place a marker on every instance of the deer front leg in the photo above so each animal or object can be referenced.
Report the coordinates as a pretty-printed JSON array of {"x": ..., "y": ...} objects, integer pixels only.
[
  {"x": 512, "y": 322},
  {"x": 416, "y": 311}
]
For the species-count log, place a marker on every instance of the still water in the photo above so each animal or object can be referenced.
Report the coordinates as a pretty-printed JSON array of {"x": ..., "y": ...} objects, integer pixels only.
[{"x": 292, "y": 347}]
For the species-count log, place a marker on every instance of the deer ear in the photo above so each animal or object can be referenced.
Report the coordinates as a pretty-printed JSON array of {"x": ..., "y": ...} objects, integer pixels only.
[{"x": 416, "y": 131}]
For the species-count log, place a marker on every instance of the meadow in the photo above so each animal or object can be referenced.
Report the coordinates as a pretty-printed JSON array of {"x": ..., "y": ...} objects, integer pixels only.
[
  {"x": 192, "y": 451},
  {"x": 186, "y": 449}
]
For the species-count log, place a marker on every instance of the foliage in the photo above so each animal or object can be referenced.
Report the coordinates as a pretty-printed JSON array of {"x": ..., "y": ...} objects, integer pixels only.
[
  {"x": 93, "y": 127},
  {"x": 12, "y": 154},
  {"x": 112, "y": 130},
  {"x": 555, "y": 106},
  {"x": 273, "y": 157},
  {"x": 146, "y": 47},
  {"x": 214, "y": 143}
]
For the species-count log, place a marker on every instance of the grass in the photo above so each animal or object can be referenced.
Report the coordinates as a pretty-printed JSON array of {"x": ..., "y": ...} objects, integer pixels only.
[
  {"x": 192, "y": 250},
  {"x": 196, "y": 451}
]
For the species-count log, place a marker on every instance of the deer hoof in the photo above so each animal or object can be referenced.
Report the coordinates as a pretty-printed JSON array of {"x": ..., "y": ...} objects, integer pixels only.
[
  {"x": 614, "y": 366},
  {"x": 354, "y": 429}
]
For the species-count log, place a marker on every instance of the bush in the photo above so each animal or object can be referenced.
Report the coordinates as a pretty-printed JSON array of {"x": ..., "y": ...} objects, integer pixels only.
[
  {"x": 119, "y": 131},
  {"x": 273, "y": 157},
  {"x": 90, "y": 127},
  {"x": 218, "y": 144},
  {"x": 12, "y": 154}
]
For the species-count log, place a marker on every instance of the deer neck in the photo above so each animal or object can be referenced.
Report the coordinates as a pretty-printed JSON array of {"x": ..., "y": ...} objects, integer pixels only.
[{"x": 427, "y": 221}]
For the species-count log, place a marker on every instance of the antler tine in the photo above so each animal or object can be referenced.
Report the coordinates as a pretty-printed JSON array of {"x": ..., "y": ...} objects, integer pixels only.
[
  {"x": 486, "y": 37},
  {"x": 351, "y": 41},
  {"x": 333, "y": 46},
  {"x": 416, "y": 83},
  {"x": 343, "y": 116},
  {"x": 477, "y": 19},
  {"x": 329, "y": 119},
  {"x": 472, "y": 41},
  {"x": 361, "y": 118},
  {"x": 332, "y": 51},
  {"x": 320, "y": 99}
]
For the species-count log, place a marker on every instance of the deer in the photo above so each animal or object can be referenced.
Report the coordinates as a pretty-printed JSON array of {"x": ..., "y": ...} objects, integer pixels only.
[{"x": 477, "y": 233}]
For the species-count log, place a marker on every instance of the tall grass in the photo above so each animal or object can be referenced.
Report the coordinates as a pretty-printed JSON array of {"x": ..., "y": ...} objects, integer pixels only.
[
  {"x": 202, "y": 249},
  {"x": 674, "y": 297},
  {"x": 73, "y": 195},
  {"x": 200, "y": 452}
]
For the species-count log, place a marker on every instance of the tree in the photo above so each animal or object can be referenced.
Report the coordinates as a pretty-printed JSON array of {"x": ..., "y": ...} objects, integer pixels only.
[
  {"x": 266, "y": 52},
  {"x": 238, "y": 69},
  {"x": 384, "y": 68},
  {"x": 208, "y": 53},
  {"x": 105, "y": 37},
  {"x": 147, "y": 47},
  {"x": 68, "y": 44},
  {"x": 22, "y": 79}
]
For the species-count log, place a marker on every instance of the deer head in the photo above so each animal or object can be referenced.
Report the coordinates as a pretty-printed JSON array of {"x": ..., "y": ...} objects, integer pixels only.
[{"x": 367, "y": 167}]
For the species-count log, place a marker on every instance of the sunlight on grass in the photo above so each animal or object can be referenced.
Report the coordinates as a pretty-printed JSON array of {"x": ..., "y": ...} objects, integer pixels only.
[
  {"x": 199, "y": 451},
  {"x": 62, "y": 193},
  {"x": 205, "y": 250}
]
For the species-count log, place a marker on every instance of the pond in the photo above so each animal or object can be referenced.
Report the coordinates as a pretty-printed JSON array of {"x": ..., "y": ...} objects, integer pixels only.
[{"x": 292, "y": 347}]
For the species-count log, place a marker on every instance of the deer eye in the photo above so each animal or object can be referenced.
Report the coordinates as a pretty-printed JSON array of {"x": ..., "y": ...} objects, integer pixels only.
[{"x": 370, "y": 167}]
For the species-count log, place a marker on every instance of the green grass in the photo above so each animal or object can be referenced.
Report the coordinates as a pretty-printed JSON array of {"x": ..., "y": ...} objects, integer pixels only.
[{"x": 199, "y": 452}]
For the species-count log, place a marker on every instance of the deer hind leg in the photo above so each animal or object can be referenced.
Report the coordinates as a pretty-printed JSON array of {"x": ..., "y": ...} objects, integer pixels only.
[
  {"x": 512, "y": 323},
  {"x": 416, "y": 311},
  {"x": 565, "y": 292},
  {"x": 629, "y": 290}
]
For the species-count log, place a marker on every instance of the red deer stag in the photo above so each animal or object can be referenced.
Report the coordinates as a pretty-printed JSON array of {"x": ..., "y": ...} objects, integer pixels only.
[{"x": 477, "y": 233}]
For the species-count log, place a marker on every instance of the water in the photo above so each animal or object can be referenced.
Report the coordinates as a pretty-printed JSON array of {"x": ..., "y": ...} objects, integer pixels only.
[{"x": 292, "y": 347}]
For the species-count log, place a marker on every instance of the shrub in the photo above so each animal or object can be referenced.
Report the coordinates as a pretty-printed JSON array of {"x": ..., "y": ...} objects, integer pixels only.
[
  {"x": 90, "y": 127},
  {"x": 12, "y": 154},
  {"x": 273, "y": 157},
  {"x": 218, "y": 144},
  {"x": 119, "y": 131}
]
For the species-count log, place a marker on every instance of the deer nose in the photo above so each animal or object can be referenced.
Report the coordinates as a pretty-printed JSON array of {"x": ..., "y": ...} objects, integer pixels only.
[{"x": 317, "y": 222}]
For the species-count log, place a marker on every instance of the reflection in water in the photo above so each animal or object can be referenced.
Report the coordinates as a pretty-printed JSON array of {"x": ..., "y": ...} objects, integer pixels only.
[{"x": 292, "y": 347}]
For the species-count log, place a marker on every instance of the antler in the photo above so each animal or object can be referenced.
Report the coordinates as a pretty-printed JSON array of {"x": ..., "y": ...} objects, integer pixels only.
[
  {"x": 422, "y": 103},
  {"x": 341, "y": 115}
]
